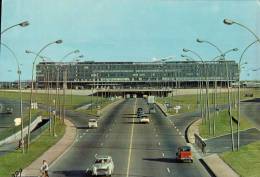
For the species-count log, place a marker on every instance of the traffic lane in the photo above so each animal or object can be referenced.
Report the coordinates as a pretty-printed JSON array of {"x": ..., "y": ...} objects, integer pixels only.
[
  {"x": 81, "y": 155},
  {"x": 145, "y": 149},
  {"x": 250, "y": 110},
  {"x": 117, "y": 141},
  {"x": 223, "y": 143},
  {"x": 170, "y": 140}
]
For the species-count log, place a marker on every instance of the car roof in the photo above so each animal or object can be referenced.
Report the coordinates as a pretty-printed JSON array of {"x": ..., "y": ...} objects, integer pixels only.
[
  {"x": 185, "y": 148},
  {"x": 103, "y": 157},
  {"x": 92, "y": 120}
]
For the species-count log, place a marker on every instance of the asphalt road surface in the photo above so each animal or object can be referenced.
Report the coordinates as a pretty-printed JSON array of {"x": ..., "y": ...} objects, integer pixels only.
[{"x": 138, "y": 150}]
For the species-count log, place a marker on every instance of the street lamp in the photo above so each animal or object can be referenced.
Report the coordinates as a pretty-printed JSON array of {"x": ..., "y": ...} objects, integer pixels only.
[
  {"x": 231, "y": 22},
  {"x": 206, "y": 80},
  {"x": 20, "y": 91},
  {"x": 238, "y": 109},
  {"x": 30, "y": 105},
  {"x": 227, "y": 75},
  {"x": 22, "y": 24}
]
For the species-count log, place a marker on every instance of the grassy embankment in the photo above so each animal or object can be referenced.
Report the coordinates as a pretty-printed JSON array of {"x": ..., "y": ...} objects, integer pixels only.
[
  {"x": 246, "y": 161},
  {"x": 12, "y": 161}
]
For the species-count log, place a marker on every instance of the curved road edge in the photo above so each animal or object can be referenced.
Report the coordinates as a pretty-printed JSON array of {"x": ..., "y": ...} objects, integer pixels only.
[
  {"x": 213, "y": 163},
  {"x": 53, "y": 154},
  {"x": 56, "y": 151}
]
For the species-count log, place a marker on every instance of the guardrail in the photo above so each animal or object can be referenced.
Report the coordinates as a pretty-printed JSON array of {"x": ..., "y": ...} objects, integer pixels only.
[{"x": 200, "y": 143}]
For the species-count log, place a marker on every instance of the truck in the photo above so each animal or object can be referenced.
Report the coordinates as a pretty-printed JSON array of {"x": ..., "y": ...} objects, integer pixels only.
[{"x": 150, "y": 100}]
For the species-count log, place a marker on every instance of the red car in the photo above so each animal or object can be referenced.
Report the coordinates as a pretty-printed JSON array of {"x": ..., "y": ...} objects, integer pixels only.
[{"x": 184, "y": 154}]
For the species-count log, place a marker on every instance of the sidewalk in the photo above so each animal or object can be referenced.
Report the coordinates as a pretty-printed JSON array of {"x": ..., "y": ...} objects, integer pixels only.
[
  {"x": 215, "y": 164},
  {"x": 54, "y": 152}
]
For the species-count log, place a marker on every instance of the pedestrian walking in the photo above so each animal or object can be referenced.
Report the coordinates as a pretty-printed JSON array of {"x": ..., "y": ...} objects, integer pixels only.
[{"x": 44, "y": 169}]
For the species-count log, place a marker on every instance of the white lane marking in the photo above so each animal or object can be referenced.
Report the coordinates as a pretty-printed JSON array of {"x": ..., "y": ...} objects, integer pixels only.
[
  {"x": 177, "y": 129},
  {"x": 156, "y": 135},
  {"x": 168, "y": 170},
  {"x": 159, "y": 143},
  {"x": 80, "y": 136},
  {"x": 163, "y": 154},
  {"x": 131, "y": 143},
  {"x": 86, "y": 130},
  {"x": 101, "y": 144},
  {"x": 84, "y": 133},
  {"x": 106, "y": 136},
  {"x": 182, "y": 136},
  {"x": 179, "y": 133}
]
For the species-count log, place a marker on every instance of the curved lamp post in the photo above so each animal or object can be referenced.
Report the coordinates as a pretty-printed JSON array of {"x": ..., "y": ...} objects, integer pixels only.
[
  {"x": 222, "y": 54},
  {"x": 206, "y": 80},
  {"x": 22, "y": 24},
  {"x": 232, "y": 22},
  {"x": 238, "y": 107},
  {"x": 30, "y": 105},
  {"x": 20, "y": 91}
]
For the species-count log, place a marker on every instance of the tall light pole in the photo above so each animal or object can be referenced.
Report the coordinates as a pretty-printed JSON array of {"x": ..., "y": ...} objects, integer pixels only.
[
  {"x": 229, "y": 98},
  {"x": 238, "y": 105},
  {"x": 206, "y": 79},
  {"x": 20, "y": 91},
  {"x": 188, "y": 58},
  {"x": 31, "y": 93},
  {"x": 22, "y": 24},
  {"x": 73, "y": 60},
  {"x": 48, "y": 84},
  {"x": 64, "y": 83},
  {"x": 232, "y": 22}
]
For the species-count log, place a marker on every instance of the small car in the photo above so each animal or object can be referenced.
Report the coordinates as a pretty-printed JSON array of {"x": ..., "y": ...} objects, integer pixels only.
[
  {"x": 184, "y": 154},
  {"x": 103, "y": 165},
  {"x": 144, "y": 119},
  {"x": 139, "y": 111},
  {"x": 92, "y": 123}
]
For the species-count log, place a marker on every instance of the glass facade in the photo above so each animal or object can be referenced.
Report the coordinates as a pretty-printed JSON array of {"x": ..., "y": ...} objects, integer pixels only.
[{"x": 136, "y": 74}]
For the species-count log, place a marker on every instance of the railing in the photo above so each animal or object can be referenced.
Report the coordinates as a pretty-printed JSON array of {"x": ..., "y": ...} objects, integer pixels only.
[{"x": 200, "y": 143}]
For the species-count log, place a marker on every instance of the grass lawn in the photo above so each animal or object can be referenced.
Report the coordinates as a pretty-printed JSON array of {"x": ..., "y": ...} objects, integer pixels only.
[
  {"x": 222, "y": 125},
  {"x": 71, "y": 102},
  {"x": 11, "y": 162},
  {"x": 188, "y": 103},
  {"x": 246, "y": 162}
]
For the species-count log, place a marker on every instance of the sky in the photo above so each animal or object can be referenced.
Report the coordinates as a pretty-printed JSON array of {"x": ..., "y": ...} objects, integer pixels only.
[{"x": 128, "y": 30}]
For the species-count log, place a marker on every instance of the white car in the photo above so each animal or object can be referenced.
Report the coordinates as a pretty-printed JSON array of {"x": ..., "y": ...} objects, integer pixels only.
[
  {"x": 144, "y": 119},
  {"x": 103, "y": 165},
  {"x": 92, "y": 123}
]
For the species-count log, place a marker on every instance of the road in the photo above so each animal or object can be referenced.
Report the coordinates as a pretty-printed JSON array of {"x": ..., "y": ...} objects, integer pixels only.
[
  {"x": 250, "y": 109},
  {"x": 140, "y": 150}
]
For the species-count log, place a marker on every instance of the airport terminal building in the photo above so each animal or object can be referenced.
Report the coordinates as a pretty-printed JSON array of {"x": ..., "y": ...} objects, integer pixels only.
[{"x": 89, "y": 74}]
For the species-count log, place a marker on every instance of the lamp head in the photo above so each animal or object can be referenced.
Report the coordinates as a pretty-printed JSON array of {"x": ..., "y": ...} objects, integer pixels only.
[
  {"x": 199, "y": 40},
  {"x": 183, "y": 55},
  {"x": 185, "y": 50},
  {"x": 81, "y": 56},
  {"x": 24, "y": 24},
  {"x": 58, "y": 41},
  {"x": 228, "y": 22},
  {"x": 28, "y": 51},
  {"x": 76, "y": 51},
  {"x": 235, "y": 49}
]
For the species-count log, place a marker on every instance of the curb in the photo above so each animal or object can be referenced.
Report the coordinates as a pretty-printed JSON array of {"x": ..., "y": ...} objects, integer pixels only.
[
  {"x": 159, "y": 106},
  {"x": 33, "y": 168}
]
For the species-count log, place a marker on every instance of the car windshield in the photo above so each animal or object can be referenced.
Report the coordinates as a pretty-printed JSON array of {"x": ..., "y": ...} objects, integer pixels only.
[{"x": 101, "y": 161}]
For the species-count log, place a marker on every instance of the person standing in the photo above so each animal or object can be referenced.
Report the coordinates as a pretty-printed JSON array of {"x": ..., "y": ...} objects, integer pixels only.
[{"x": 44, "y": 168}]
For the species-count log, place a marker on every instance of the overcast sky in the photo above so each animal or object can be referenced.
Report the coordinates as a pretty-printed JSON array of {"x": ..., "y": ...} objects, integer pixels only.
[{"x": 127, "y": 30}]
